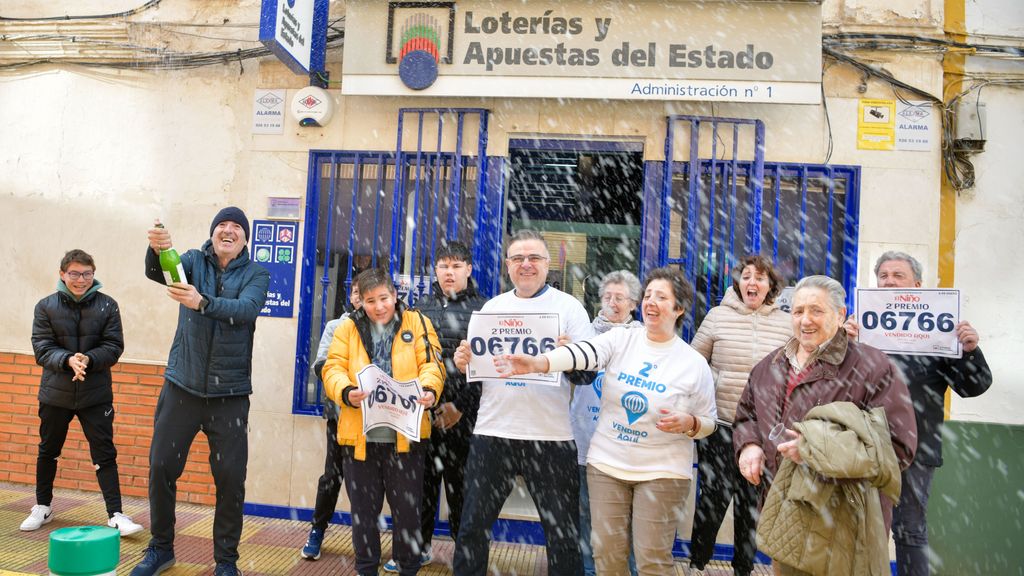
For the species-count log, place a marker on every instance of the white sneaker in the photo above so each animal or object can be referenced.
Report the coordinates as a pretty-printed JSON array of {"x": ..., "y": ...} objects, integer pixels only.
[
  {"x": 124, "y": 524},
  {"x": 40, "y": 515}
]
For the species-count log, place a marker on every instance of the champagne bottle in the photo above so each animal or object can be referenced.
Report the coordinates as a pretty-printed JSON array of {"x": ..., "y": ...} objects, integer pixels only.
[{"x": 170, "y": 263}]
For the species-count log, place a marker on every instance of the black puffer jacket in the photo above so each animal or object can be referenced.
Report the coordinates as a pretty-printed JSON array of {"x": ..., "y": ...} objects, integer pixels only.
[
  {"x": 63, "y": 327},
  {"x": 450, "y": 318},
  {"x": 212, "y": 351},
  {"x": 927, "y": 378}
]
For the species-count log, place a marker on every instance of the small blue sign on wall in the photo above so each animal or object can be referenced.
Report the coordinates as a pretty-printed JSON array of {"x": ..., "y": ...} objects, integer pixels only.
[
  {"x": 296, "y": 32},
  {"x": 274, "y": 247}
]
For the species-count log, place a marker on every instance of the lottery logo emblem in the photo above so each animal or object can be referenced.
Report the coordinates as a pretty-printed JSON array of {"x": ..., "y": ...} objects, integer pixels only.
[
  {"x": 420, "y": 38},
  {"x": 598, "y": 381},
  {"x": 635, "y": 404},
  {"x": 419, "y": 52}
]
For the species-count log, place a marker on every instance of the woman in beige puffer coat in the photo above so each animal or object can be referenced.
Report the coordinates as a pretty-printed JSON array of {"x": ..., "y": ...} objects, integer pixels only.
[{"x": 734, "y": 336}]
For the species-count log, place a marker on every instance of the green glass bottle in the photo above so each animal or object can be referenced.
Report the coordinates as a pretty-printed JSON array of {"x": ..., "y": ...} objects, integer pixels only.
[{"x": 170, "y": 263}]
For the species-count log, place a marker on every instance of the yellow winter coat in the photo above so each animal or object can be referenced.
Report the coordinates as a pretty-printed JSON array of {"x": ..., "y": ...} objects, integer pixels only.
[{"x": 347, "y": 355}]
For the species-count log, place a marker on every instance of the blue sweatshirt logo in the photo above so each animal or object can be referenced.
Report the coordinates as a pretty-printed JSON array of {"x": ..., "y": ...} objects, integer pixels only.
[{"x": 635, "y": 404}]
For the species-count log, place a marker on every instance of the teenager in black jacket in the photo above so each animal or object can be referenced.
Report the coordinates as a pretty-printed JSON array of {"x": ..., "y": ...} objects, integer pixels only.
[
  {"x": 77, "y": 338},
  {"x": 452, "y": 301}
]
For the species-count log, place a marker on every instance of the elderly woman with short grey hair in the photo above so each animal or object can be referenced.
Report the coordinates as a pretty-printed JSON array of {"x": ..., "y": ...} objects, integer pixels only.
[{"x": 818, "y": 366}]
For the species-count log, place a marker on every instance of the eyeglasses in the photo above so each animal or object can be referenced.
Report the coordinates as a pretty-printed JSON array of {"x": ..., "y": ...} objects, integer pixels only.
[
  {"x": 518, "y": 259},
  {"x": 615, "y": 299},
  {"x": 78, "y": 275}
]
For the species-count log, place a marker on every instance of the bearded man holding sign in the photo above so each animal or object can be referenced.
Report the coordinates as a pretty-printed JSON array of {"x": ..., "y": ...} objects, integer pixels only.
[
  {"x": 927, "y": 378},
  {"x": 402, "y": 344}
]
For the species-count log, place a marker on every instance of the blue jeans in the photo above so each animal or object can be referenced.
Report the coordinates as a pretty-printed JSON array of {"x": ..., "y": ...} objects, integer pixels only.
[
  {"x": 588, "y": 553},
  {"x": 910, "y": 522}
]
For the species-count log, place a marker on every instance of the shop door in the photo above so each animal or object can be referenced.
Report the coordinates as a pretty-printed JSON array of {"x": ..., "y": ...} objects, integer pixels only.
[
  {"x": 586, "y": 198},
  {"x": 719, "y": 200}
]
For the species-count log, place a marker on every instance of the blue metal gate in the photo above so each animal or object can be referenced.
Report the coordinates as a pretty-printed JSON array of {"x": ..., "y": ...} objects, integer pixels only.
[
  {"x": 388, "y": 209},
  {"x": 716, "y": 200}
]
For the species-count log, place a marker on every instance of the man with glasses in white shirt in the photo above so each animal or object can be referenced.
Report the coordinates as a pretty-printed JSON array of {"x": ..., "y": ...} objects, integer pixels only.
[{"x": 523, "y": 428}]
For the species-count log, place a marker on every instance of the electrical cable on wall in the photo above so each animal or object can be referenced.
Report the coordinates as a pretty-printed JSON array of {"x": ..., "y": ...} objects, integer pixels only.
[
  {"x": 156, "y": 58},
  {"x": 124, "y": 14},
  {"x": 956, "y": 159}
]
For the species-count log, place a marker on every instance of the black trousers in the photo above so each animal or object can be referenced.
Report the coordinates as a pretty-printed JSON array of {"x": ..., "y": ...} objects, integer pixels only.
[
  {"x": 550, "y": 471},
  {"x": 225, "y": 421},
  {"x": 329, "y": 486},
  {"x": 447, "y": 451},
  {"x": 399, "y": 477},
  {"x": 98, "y": 425},
  {"x": 721, "y": 483}
]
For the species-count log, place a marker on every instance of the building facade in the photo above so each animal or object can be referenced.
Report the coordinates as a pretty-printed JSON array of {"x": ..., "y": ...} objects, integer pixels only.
[{"x": 659, "y": 133}]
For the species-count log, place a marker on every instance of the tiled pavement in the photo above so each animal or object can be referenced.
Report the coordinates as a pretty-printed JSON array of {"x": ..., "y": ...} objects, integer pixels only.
[{"x": 268, "y": 546}]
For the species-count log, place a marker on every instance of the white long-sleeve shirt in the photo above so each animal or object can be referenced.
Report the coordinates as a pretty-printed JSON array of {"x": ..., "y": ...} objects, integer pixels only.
[
  {"x": 640, "y": 378},
  {"x": 585, "y": 408}
]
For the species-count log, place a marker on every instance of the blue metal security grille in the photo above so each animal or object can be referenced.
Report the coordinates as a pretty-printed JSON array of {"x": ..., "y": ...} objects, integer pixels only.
[
  {"x": 390, "y": 210},
  {"x": 720, "y": 201}
]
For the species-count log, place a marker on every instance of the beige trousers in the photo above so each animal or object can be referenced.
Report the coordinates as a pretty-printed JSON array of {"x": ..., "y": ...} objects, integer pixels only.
[{"x": 651, "y": 510}]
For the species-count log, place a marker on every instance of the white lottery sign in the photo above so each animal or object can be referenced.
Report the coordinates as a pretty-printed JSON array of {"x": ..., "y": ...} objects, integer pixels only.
[
  {"x": 391, "y": 403},
  {"x": 917, "y": 322},
  {"x": 491, "y": 334}
]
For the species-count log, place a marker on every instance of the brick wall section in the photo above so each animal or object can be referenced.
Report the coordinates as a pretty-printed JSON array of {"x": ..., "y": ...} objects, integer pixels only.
[{"x": 136, "y": 389}]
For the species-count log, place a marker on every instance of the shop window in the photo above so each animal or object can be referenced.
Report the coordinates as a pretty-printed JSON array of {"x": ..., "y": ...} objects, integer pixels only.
[
  {"x": 351, "y": 225},
  {"x": 805, "y": 219}
]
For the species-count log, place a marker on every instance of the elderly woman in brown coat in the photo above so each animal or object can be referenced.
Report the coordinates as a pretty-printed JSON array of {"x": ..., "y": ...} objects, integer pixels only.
[{"x": 817, "y": 367}]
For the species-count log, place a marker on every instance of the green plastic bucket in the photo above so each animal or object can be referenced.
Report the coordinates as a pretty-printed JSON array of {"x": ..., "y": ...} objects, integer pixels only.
[{"x": 84, "y": 551}]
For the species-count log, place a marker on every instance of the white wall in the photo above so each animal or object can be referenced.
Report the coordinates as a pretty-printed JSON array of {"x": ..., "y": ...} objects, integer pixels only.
[
  {"x": 89, "y": 157},
  {"x": 990, "y": 220}
]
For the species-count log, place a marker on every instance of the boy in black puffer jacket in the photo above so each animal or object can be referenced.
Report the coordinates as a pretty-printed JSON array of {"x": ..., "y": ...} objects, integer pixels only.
[{"x": 77, "y": 338}]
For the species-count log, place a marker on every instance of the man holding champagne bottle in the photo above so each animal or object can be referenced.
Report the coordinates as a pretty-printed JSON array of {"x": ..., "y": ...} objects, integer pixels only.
[{"x": 207, "y": 381}]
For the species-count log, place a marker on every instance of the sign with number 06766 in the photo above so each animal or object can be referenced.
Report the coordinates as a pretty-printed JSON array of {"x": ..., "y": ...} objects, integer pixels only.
[
  {"x": 492, "y": 334},
  {"x": 390, "y": 404},
  {"x": 919, "y": 322}
]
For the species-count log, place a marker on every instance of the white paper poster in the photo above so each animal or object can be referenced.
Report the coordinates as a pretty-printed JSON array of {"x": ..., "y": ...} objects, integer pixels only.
[
  {"x": 491, "y": 334},
  {"x": 268, "y": 111},
  {"x": 917, "y": 321},
  {"x": 391, "y": 403},
  {"x": 915, "y": 125}
]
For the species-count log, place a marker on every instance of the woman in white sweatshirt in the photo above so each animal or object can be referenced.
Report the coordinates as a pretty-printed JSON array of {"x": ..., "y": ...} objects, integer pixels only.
[{"x": 657, "y": 396}]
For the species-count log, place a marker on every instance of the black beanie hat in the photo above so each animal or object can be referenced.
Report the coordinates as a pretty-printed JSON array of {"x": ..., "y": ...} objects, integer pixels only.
[{"x": 231, "y": 214}]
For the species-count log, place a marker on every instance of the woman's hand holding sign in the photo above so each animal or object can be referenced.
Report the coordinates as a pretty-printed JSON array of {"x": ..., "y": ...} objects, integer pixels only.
[{"x": 515, "y": 364}]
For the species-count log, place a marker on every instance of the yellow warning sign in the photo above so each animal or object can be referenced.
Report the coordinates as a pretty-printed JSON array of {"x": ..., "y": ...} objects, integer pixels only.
[{"x": 876, "y": 124}]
